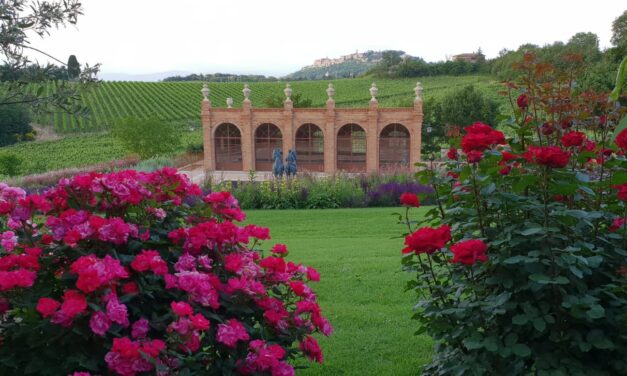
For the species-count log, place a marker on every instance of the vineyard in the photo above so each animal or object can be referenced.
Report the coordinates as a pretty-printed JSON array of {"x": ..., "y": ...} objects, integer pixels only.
[{"x": 180, "y": 101}]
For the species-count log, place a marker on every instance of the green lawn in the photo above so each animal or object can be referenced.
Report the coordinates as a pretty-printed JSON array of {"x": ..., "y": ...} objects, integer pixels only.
[{"x": 361, "y": 288}]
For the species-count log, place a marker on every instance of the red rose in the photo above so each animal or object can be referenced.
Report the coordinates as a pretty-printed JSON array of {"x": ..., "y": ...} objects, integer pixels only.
[
  {"x": 550, "y": 156},
  {"x": 410, "y": 199},
  {"x": 617, "y": 223},
  {"x": 622, "y": 191},
  {"x": 547, "y": 128},
  {"x": 480, "y": 137},
  {"x": 280, "y": 249},
  {"x": 474, "y": 156},
  {"x": 182, "y": 308},
  {"x": 566, "y": 123},
  {"x": 427, "y": 240},
  {"x": 505, "y": 170},
  {"x": 621, "y": 139},
  {"x": 46, "y": 306},
  {"x": 452, "y": 154},
  {"x": 522, "y": 101},
  {"x": 602, "y": 120},
  {"x": 573, "y": 139},
  {"x": 469, "y": 252}
]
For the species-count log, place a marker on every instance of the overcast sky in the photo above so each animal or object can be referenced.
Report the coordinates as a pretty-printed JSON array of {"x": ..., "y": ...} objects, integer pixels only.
[{"x": 278, "y": 37}]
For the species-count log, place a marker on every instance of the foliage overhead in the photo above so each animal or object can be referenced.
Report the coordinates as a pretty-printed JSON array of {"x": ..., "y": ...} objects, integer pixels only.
[{"x": 21, "y": 19}]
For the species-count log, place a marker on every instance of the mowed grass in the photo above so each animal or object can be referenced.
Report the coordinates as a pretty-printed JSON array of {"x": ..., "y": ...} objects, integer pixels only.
[{"x": 361, "y": 289}]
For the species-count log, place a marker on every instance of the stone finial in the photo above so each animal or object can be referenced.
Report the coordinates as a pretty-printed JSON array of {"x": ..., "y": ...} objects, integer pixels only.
[
  {"x": 373, "y": 92},
  {"x": 246, "y": 92},
  {"x": 418, "y": 91},
  {"x": 205, "y": 92},
  {"x": 288, "y": 92},
  {"x": 229, "y": 102},
  {"x": 330, "y": 92}
]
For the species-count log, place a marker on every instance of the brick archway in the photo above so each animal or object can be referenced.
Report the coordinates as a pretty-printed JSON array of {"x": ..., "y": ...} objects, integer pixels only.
[
  {"x": 351, "y": 148},
  {"x": 267, "y": 138},
  {"x": 394, "y": 147},
  {"x": 310, "y": 147},
  {"x": 228, "y": 147}
]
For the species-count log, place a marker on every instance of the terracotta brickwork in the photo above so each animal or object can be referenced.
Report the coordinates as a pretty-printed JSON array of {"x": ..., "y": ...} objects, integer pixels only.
[{"x": 223, "y": 149}]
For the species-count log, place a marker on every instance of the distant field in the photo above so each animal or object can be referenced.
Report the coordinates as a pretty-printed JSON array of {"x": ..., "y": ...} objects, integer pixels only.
[
  {"x": 75, "y": 151},
  {"x": 180, "y": 101}
]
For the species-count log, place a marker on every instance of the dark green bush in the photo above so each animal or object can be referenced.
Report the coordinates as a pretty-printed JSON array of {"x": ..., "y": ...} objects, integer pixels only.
[{"x": 14, "y": 124}]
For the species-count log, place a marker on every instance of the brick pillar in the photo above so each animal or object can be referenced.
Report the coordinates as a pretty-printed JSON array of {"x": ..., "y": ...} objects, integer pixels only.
[
  {"x": 209, "y": 157},
  {"x": 330, "y": 139},
  {"x": 372, "y": 138},
  {"x": 288, "y": 127},
  {"x": 416, "y": 133},
  {"x": 246, "y": 121}
]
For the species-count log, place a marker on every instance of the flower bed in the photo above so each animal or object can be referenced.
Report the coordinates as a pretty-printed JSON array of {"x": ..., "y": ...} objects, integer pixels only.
[{"x": 134, "y": 273}]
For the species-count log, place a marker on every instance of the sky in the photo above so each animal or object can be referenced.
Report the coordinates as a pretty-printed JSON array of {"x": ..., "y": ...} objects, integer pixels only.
[{"x": 276, "y": 37}]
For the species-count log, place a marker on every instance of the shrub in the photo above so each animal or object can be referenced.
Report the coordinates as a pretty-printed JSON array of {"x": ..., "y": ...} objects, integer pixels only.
[
  {"x": 134, "y": 273},
  {"x": 10, "y": 164},
  {"x": 14, "y": 124},
  {"x": 147, "y": 137},
  {"x": 521, "y": 267}
]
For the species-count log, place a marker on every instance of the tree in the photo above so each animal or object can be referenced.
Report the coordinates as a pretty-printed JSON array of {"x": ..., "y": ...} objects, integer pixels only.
[
  {"x": 147, "y": 137},
  {"x": 73, "y": 68},
  {"x": 14, "y": 124},
  {"x": 619, "y": 31},
  {"x": 22, "y": 19},
  {"x": 466, "y": 106},
  {"x": 585, "y": 44}
]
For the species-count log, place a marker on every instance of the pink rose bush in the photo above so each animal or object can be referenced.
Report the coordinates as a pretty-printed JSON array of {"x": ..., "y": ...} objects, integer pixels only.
[{"x": 133, "y": 273}]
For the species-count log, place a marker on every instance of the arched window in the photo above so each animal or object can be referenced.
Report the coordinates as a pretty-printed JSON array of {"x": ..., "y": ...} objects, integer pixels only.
[
  {"x": 394, "y": 147},
  {"x": 267, "y": 138},
  {"x": 310, "y": 148},
  {"x": 351, "y": 148},
  {"x": 228, "y": 147}
]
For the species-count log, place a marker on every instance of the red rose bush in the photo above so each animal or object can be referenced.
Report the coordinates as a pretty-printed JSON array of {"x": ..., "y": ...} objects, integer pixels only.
[
  {"x": 520, "y": 266},
  {"x": 134, "y": 273}
]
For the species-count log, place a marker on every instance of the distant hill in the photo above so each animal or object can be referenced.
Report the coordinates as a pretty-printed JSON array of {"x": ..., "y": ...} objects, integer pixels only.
[{"x": 346, "y": 66}]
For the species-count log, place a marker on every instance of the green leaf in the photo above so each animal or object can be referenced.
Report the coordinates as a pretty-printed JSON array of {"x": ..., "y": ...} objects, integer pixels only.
[
  {"x": 598, "y": 339},
  {"x": 491, "y": 344},
  {"x": 521, "y": 319},
  {"x": 540, "y": 278},
  {"x": 539, "y": 324},
  {"x": 472, "y": 343},
  {"x": 582, "y": 177},
  {"x": 531, "y": 231},
  {"x": 521, "y": 350},
  {"x": 595, "y": 312}
]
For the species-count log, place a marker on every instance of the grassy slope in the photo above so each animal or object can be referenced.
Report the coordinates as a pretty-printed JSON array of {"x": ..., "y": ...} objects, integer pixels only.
[
  {"x": 75, "y": 151},
  {"x": 180, "y": 101},
  {"x": 361, "y": 288}
]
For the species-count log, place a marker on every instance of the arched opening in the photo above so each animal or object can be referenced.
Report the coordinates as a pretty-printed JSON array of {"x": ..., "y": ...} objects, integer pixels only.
[
  {"x": 267, "y": 138},
  {"x": 228, "y": 147},
  {"x": 394, "y": 147},
  {"x": 310, "y": 148},
  {"x": 351, "y": 148}
]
